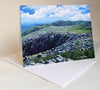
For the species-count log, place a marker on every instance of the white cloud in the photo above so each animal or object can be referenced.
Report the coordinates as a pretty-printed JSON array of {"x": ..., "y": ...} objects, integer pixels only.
[
  {"x": 40, "y": 13},
  {"x": 64, "y": 12},
  {"x": 80, "y": 16},
  {"x": 22, "y": 12},
  {"x": 71, "y": 12}
]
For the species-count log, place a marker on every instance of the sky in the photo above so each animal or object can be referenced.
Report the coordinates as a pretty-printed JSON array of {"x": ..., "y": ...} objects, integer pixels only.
[{"x": 49, "y": 14}]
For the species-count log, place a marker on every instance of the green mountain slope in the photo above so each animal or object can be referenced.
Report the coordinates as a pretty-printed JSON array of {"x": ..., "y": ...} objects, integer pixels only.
[
  {"x": 59, "y": 26},
  {"x": 70, "y": 23}
]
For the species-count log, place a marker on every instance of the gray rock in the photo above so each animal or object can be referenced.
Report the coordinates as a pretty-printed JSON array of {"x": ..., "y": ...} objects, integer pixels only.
[
  {"x": 54, "y": 60},
  {"x": 42, "y": 62},
  {"x": 59, "y": 58}
]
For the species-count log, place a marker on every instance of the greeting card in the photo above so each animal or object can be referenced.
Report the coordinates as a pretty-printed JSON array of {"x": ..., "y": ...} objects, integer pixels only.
[{"x": 57, "y": 42}]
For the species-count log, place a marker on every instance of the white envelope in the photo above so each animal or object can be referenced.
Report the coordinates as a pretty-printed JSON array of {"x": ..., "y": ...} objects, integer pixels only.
[{"x": 60, "y": 74}]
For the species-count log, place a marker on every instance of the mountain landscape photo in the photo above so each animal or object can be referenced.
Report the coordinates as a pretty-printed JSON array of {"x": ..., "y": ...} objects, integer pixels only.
[{"x": 53, "y": 34}]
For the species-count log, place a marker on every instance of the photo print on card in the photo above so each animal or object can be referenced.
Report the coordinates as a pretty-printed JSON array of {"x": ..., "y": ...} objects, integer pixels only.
[{"x": 56, "y": 33}]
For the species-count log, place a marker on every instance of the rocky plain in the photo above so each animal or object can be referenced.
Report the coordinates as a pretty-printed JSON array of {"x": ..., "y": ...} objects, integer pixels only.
[{"x": 51, "y": 47}]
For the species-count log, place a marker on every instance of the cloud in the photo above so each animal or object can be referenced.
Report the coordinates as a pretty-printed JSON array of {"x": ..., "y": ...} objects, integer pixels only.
[
  {"x": 40, "y": 13},
  {"x": 64, "y": 13},
  {"x": 80, "y": 16},
  {"x": 68, "y": 12}
]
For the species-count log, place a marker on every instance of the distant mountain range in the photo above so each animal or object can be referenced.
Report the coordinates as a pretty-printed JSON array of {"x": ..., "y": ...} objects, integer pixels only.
[
  {"x": 70, "y": 23},
  {"x": 28, "y": 26},
  {"x": 58, "y": 26}
]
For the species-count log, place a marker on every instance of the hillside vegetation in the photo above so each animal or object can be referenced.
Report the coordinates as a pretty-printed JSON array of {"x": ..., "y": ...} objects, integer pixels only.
[{"x": 59, "y": 26}]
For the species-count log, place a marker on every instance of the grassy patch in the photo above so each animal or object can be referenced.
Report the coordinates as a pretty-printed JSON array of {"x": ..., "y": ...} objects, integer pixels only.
[
  {"x": 33, "y": 56},
  {"x": 79, "y": 54},
  {"x": 49, "y": 57},
  {"x": 83, "y": 31}
]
